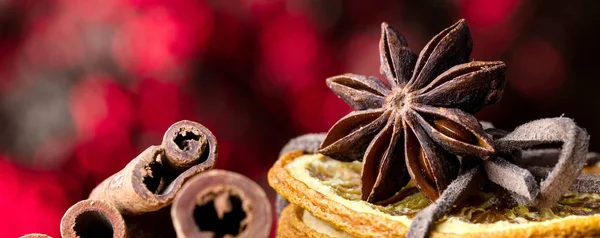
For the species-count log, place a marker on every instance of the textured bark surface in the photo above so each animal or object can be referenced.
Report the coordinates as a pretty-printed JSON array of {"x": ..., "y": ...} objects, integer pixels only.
[
  {"x": 221, "y": 203},
  {"x": 150, "y": 181},
  {"x": 95, "y": 217}
]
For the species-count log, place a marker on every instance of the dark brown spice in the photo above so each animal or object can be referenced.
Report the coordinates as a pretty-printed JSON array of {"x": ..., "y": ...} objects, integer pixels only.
[
  {"x": 423, "y": 115},
  {"x": 219, "y": 203},
  {"x": 188, "y": 143},
  {"x": 93, "y": 218},
  {"x": 150, "y": 181},
  {"x": 136, "y": 201}
]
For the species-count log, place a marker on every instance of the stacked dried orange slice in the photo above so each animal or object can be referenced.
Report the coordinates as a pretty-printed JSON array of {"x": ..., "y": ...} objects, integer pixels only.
[{"x": 325, "y": 202}]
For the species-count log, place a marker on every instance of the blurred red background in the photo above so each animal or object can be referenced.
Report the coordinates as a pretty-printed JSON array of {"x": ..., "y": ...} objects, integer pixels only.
[{"x": 87, "y": 85}]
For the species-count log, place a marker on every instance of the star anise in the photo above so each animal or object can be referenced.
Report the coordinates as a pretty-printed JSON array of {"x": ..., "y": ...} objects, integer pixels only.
[{"x": 418, "y": 125}]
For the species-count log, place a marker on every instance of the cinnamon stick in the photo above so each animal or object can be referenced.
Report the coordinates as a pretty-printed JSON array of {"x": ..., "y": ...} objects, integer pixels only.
[
  {"x": 93, "y": 218},
  {"x": 219, "y": 203},
  {"x": 150, "y": 181},
  {"x": 188, "y": 144}
]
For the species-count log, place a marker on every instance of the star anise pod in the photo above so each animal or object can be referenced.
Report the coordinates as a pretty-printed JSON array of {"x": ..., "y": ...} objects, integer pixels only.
[{"x": 418, "y": 125}]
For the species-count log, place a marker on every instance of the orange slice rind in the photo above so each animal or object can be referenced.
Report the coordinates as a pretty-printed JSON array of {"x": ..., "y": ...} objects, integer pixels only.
[{"x": 325, "y": 191}]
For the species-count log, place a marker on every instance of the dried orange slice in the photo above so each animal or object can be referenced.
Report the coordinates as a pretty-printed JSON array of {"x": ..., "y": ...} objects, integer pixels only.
[
  {"x": 325, "y": 197},
  {"x": 297, "y": 222}
]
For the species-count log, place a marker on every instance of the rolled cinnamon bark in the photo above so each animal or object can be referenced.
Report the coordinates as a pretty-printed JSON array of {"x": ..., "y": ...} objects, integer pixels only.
[
  {"x": 219, "y": 203},
  {"x": 93, "y": 218},
  {"x": 150, "y": 181},
  {"x": 188, "y": 144}
]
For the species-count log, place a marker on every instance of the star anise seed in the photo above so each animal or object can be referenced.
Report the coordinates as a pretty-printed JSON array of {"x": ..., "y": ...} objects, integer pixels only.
[{"x": 418, "y": 124}]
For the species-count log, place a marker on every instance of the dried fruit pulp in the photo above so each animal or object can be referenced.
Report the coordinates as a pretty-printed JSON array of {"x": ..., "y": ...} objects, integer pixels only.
[{"x": 343, "y": 178}]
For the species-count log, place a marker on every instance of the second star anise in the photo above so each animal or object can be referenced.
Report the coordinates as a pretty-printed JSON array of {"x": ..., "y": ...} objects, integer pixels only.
[{"x": 419, "y": 124}]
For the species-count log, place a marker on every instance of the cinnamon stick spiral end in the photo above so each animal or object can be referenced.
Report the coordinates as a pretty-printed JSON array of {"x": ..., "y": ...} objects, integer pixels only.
[
  {"x": 219, "y": 203},
  {"x": 188, "y": 143},
  {"x": 92, "y": 218}
]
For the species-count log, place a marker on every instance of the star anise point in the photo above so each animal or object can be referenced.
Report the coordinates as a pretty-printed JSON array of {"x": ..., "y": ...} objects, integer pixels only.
[{"x": 426, "y": 107}]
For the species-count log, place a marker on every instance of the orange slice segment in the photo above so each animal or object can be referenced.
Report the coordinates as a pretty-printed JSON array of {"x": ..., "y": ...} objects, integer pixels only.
[{"x": 329, "y": 191}]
